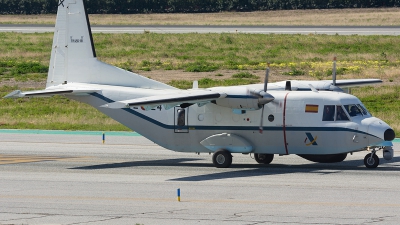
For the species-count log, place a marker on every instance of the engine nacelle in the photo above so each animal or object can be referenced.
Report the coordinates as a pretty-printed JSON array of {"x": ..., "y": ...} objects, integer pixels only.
[
  {"x": 245, "y": 103},
  {"x": 388, "y": 153},
  {"x": 240, "y": 98}
]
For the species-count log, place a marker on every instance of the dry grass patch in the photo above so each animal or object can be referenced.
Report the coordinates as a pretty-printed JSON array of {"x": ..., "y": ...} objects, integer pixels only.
[{"x": 324, "y": 17}]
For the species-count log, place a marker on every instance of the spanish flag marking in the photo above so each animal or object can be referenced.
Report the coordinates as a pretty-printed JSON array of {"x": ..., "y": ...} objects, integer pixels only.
[{"x": 311, "y": 108}]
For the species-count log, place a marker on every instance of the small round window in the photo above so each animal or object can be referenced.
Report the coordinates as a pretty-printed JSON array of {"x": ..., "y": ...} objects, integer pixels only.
[{"x": 271, "y": 118}]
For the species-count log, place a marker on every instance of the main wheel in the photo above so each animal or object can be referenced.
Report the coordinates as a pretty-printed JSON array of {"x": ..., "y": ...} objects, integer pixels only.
[
  {"x": 371, "y": 162},
  {"x": 263, "y": 158},
  {"x": 222, "y": 159}
]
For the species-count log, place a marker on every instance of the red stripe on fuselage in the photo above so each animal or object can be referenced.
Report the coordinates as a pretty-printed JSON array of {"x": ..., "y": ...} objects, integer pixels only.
[{"x": 284, "y": 124}]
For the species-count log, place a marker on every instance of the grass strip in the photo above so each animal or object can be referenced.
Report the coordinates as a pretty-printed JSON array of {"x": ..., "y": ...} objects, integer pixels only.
[{"x": 26, "y": 56}]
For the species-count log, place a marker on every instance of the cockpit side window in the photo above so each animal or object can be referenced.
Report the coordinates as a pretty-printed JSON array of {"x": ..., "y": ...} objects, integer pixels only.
[
  {"x": 353, "y": 110},
  {"x": 340, "y": 114},
  {"x": 329, "y": 112},
  {"x": 363, "y": 110}
]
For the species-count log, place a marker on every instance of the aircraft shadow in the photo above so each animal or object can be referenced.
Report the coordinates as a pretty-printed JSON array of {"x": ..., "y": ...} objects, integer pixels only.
[
  {"x": 252, "y": 170},
  {"x": 164, "y": 162},
  {"x": 276, "y": 169}
]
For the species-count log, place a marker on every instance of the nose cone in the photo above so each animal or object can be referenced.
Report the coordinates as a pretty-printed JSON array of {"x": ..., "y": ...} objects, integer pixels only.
[
  {"x": 378, "y": 131},
  {"x": 389, "y": 135}
]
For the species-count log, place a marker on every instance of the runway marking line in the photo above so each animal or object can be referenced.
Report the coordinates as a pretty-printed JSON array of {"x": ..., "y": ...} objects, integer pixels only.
[
  {"x": 15, "y": 159},
  {"x": 83, "y": 143}
]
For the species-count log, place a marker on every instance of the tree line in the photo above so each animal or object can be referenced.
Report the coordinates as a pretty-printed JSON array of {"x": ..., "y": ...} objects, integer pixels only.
[{"x": 187, "y": 6}]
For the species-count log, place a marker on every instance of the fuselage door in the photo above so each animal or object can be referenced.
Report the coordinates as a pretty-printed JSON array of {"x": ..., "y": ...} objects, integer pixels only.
[{"x": 181, "y": 120}]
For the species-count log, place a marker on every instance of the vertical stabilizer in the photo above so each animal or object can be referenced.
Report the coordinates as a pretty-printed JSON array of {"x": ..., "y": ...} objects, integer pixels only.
[
  {"x": 72, "y": 40},
  {"x": 73, "y": 56}
]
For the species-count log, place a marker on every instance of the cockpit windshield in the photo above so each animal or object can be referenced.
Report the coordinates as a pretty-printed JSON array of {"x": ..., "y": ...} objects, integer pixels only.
[{"x": 356, "y": 110}]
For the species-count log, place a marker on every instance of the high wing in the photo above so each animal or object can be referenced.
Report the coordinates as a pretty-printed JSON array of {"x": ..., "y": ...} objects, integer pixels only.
[
  {"x": 322, "y": 85},
  {"x": 183, "y": 98},
  {"x": 49, "y": 92},
  {"x": 356, "y": 82}
]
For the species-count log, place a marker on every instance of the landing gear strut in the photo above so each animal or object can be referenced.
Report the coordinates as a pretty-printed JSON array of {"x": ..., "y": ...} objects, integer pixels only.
[
  {"x": 222, "y": 158},
  {"x": 371, "y": 160}
]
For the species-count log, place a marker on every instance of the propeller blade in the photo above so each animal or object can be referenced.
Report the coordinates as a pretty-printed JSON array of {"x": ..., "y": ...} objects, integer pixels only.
[
  {"x": 261, "y": 122},
  {"x": 334, "y": 71},
  {"x": 266, "y": 78}
]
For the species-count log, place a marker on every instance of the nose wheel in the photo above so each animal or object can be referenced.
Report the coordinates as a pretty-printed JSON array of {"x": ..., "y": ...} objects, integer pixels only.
[{"x": 371, "y": 160}]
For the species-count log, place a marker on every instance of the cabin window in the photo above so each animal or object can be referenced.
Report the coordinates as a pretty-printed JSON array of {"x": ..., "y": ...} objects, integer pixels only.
[
  {"x": 340, "y": 114},
  {"x": 329, "y": 112},
  {"x": 181, "y": 118}
]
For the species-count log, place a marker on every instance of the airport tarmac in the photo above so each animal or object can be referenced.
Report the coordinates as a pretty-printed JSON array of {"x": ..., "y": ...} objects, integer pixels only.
[{"x": 76, "y": 179}]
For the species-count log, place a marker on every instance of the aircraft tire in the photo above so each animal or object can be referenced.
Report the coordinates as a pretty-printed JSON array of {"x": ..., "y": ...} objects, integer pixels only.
[
  {"x": 263, "y": 158},
  {"x": 371, "y": 162},
  {"x": 222, "y": 159}
]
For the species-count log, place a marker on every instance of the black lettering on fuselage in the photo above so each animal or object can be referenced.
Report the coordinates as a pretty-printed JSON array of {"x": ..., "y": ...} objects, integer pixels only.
[{"x": 73, "y": 40}]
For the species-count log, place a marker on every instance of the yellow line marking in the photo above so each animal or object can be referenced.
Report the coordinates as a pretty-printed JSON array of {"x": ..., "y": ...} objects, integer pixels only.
[
  {"x": 78, "y": 143},
  {"x": 14, "y": 159}
]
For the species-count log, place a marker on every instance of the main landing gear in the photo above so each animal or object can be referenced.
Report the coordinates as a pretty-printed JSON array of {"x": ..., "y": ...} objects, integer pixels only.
[
  {"x": 263, "y": 158},
  {"x": 222, "y": 158}
]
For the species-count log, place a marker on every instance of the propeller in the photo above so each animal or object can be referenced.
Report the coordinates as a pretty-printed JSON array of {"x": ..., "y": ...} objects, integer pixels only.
[{"x": 264, "y": 98}]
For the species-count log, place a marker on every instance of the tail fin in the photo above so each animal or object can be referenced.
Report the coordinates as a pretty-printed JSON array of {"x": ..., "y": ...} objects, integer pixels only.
[{"x": 73, "y": 56}]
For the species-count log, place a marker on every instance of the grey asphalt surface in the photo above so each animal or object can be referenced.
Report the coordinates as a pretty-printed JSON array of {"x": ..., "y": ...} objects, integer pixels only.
[
  {"x": 75, "y": 179},
  {"x": 330, "y": 30}
]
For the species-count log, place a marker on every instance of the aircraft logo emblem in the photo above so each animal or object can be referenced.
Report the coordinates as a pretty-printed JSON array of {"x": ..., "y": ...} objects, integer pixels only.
[{"x": 313, "y": 141}]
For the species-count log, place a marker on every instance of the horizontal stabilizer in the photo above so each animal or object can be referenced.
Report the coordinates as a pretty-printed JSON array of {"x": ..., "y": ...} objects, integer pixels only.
[
  {"x": 170, "y": 100},
  {"x": 48, "y": 93}
]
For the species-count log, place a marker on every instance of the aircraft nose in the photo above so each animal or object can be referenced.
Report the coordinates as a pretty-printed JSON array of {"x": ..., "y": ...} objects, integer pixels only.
[{"x": 389, "y": 135}]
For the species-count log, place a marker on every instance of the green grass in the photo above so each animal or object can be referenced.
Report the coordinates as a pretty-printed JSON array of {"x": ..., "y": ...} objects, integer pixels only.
[
  {"x": 22, "y": 70},
  {"x": 382, "y": 102},
  {"x": 242, "y": 75},
  {"x": 56, "y": 113},
  {"x": 293, "y": 54}
]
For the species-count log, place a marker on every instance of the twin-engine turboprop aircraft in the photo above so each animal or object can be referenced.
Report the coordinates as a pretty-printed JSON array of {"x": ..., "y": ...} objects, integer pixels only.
[{"x": 313, "y": 119}]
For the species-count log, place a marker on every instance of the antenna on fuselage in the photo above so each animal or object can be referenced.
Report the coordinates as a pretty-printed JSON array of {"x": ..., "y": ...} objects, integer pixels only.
[{"x": 288, "y": 86}]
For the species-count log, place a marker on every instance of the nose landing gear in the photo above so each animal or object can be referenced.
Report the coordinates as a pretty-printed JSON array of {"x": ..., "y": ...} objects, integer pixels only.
[{"x": 371, "y": 160}]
